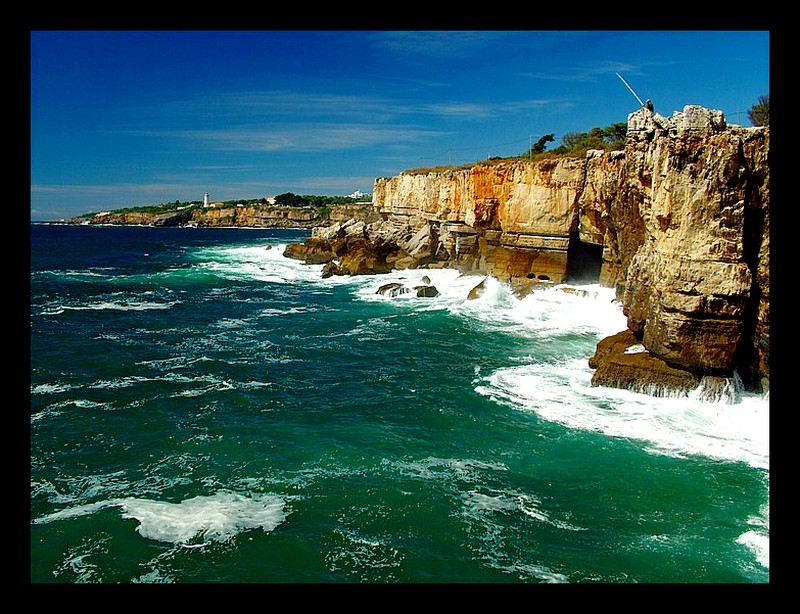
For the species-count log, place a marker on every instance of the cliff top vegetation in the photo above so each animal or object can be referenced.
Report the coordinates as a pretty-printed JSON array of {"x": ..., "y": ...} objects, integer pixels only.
[
  {"x": 576, "y": 144},
  {"x": 573, "y": 144},
  {"x": 287, "y": 199}
]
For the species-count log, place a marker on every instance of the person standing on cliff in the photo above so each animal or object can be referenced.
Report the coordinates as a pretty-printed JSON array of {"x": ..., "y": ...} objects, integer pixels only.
[{"x": 649, "y": 105}]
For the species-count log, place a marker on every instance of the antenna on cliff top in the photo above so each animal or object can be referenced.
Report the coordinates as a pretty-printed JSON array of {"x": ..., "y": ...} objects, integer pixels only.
[{"x": 630, "y": 88}]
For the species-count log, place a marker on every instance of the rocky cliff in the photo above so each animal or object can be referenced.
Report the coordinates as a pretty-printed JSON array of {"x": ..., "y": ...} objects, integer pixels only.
[
  {"x": 251, "y": 216},
  {"x": 678, "y": 222}
]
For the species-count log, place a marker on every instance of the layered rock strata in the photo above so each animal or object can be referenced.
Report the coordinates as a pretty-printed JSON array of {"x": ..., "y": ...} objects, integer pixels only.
[
  {"x": 677, "y": 222},
  {"x": 251, "y": 216}
]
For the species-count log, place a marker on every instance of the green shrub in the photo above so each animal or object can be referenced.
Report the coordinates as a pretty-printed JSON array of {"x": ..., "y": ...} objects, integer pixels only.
[{"x": 759, "y": 112}]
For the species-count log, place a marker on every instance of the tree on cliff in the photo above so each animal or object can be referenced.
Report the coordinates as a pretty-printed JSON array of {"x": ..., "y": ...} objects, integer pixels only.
[
  {"x": 290, "y": 200},
  {"x": 759, "y": 112},
  {"x": 539, "y": 146},
  {"x": 610, "y": 137}
]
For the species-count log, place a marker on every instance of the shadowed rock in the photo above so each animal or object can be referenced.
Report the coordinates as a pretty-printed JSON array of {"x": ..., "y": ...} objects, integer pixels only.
[
  {"x": 429, "y": 291},
  {"x": 392, "y": 289}
]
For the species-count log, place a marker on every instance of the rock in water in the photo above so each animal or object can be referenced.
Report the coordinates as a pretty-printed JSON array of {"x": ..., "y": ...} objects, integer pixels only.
[
  {"x": 617, "y": 364},
  {"x": 392, "y": 289},
  {"x": 477, "y": 291},
  {"x": 313, "y": 251},
  {"x": 426, "y": 290}
]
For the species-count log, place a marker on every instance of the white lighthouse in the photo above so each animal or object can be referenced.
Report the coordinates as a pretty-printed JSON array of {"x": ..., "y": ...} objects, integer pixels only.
[{"x": 205, "y": 199}]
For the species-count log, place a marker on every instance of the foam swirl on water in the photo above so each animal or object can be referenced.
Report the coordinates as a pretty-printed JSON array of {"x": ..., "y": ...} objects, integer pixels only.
[
  {"x": 193, "y": 522},
  {"x": 208, "y": 518}
]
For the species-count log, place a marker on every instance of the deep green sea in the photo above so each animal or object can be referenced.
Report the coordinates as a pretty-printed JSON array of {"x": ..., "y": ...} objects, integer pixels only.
[{"x": 204, "y": 410}]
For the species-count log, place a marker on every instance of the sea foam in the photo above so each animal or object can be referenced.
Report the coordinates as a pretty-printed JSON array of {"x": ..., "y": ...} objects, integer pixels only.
[
  {"x": 267, "y": 265},
  {"x": 218, "y": 517},
  {"x": 562, "y": 393},
  {"x": 193, "y": 522}
]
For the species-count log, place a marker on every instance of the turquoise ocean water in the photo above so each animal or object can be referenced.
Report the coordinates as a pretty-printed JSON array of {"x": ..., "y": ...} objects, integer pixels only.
[{"x": 204, "y": 410}]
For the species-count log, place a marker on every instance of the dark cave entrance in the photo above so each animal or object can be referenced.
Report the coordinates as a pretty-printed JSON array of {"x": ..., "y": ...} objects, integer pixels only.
[{"x": 584, "y": 261}]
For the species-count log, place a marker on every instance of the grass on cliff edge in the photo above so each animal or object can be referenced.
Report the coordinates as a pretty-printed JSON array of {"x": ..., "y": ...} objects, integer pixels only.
[{"x": 547, "y": 155}]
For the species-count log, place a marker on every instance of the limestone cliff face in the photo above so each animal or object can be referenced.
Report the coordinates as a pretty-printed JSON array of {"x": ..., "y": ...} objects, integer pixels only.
[
  {"x": 246, "y": 216},
  {"x": 510, "y": 219},
  {"x": 253, "y": 216},
  {"x": 697, "y": 287},
  {"x": 678, "y": 222},
  {"x": 512, "y": 196}
]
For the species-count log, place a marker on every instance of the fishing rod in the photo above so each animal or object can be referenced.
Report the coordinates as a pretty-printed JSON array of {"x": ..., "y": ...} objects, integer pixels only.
[{"x": 630, "y": 88}]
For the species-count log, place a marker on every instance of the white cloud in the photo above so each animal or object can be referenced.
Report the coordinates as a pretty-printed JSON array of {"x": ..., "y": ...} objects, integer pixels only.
[{"x": 443, "y": 43}]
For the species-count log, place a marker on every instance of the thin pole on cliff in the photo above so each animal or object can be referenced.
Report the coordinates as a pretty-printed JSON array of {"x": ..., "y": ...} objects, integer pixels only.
[{"x": 630, "y": 88}]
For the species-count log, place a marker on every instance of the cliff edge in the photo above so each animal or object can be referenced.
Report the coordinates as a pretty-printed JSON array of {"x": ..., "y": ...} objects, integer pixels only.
[{"x": 677, "y": 222}]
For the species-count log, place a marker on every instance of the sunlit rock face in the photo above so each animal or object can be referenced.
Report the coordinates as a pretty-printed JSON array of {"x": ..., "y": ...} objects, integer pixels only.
[
  {"x": 250, "y": 216},
  {"x": 510, "y": 218},
  {"x": 678, "y": 222},
  {"x": 696, "y": 290}
]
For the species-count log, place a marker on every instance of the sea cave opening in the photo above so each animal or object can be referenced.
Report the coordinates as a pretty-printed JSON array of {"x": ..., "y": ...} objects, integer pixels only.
[{"x": 584, "y": 261}]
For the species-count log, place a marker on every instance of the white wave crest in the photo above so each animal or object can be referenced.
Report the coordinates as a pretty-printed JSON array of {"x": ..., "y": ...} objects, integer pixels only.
[
  {"x": 550, "y": 310},
  {"x": 206, "y": 518},
  {"x": 562, "y": 393},
  {"x": 131, "y": 305},
  {"x": 50, "y": 388},
  {"x": 193, "y": 522},
  {"x": 264, "y": 264},
  {"x": 757, "y": 539}
]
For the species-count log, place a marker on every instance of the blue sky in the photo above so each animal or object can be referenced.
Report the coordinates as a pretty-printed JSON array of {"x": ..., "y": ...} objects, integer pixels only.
[{"x": 129, "y": 118}]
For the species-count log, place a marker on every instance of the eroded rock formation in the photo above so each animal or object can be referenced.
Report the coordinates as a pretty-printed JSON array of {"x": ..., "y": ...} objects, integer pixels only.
[
  {"x": 696, "y": 289},
  {"x": 678, "y": 222},
  {"x": 251, "y": 216}
]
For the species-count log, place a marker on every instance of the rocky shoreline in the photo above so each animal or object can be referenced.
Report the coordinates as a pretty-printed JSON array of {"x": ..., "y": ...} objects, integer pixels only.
[
  {"x": 245, "y": 216},
  {"x": 678, "y": 223}
]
